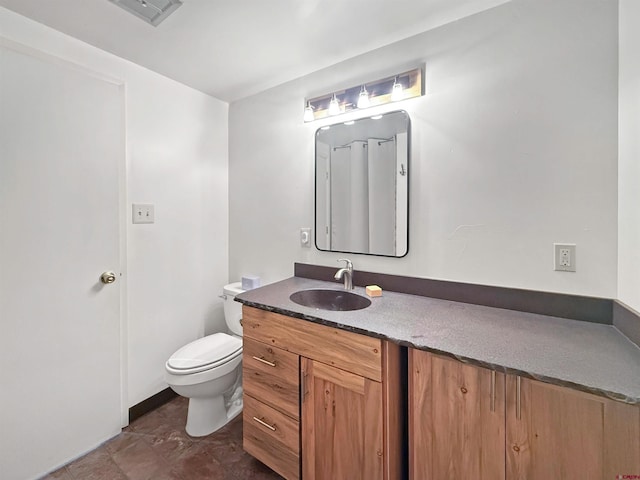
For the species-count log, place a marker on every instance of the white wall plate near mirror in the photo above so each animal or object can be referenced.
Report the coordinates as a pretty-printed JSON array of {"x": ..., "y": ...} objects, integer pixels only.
[{"x": 362, "y": 183}]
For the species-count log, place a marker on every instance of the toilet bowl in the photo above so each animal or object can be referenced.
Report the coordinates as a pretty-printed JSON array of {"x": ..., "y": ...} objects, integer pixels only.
[{"x": 208, "y": 371}]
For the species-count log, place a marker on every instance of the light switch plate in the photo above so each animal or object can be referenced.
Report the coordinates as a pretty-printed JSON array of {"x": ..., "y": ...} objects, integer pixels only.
[{"x": 143, "y": 213}]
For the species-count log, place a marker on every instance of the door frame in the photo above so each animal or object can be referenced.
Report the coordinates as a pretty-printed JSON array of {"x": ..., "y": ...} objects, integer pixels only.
[{"x": 122, "y": 203}]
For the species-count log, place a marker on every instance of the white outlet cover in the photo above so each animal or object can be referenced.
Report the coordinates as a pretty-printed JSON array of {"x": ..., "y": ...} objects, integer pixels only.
[
  {"x": 142, "y": 213},
  {"x": 561, "y": 261}
]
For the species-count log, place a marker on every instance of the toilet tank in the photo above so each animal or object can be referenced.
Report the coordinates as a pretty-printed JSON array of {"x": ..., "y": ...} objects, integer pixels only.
[{"x": 233, "y": 309}]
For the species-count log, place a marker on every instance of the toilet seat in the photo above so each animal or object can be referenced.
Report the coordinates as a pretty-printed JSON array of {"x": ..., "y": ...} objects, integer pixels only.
[{"x": 204, "y": 354}]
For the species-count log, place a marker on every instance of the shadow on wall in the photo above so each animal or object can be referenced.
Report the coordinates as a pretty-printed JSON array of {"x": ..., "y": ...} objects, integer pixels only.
[{"x": 214, "y": 320}]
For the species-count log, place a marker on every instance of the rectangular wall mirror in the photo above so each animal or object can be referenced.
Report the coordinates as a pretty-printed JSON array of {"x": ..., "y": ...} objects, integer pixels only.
[{"x": 362, "y": 182}]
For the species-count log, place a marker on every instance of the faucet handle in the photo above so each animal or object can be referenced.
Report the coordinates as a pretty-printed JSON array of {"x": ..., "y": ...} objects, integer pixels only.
[{"x": 349, "y": 265}]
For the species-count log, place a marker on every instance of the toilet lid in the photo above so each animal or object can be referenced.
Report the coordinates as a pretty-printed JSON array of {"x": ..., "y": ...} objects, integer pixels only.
[{"x": 207, "y": 351}]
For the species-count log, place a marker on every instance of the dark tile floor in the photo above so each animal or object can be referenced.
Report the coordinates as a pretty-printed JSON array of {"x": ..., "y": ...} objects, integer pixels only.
[{"x": 156, "y": 447}]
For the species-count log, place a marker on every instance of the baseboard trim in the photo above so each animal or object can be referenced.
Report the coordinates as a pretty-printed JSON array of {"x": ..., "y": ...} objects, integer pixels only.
[{"x": 151, "y": 403}]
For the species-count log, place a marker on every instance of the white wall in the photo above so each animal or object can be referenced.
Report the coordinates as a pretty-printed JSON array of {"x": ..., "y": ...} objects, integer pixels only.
[
  {"x": 176, "y": 159},
  {"x": 629, "y": 156},
  {"x": 513, "y": 148}
]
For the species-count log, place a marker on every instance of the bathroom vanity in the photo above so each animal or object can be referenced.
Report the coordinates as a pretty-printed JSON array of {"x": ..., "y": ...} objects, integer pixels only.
[
  {"x": 473, "y": 422},
  {"x": 492, "y": 393},
  {"x": 332, "y": 393}
]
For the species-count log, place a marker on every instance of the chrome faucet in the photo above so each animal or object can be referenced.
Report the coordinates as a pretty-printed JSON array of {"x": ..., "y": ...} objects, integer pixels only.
[{"x": 347, "y": 273}]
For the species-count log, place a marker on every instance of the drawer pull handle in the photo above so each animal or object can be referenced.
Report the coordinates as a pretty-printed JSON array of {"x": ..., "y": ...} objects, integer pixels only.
[
  {"x": 265, "y": 424},
  {"x": 266, "y": 362},
  {"x": 303, "y": 385}
]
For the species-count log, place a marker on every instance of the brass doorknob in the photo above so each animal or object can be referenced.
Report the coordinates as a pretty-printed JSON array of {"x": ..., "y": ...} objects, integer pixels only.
[{"x": 108, "y": 277}]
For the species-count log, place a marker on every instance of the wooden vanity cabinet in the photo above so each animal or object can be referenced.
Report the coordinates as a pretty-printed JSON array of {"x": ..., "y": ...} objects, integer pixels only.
[
  {"x": 346, "y": 389},
  {"x": 271, "y": 375},
  {"x": 471, "y": 422},
  {"x": 456, "y": 419},
  {"x": 558, "y": 432},
  {"x": 341, "y": 424},
  {"x": 271, "y": 412}
]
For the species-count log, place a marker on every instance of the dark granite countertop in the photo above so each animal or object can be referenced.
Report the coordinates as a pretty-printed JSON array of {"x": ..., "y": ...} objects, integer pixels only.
[{"x": 586, "y": 356}]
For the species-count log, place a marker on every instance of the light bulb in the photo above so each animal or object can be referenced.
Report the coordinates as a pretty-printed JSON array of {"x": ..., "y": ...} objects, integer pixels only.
[
  {"x": 396, "y": 92},
  {"x": 308, "y": 113},
  {"x": 334, "y": 106},
  {"x": 363, "y": 98}
]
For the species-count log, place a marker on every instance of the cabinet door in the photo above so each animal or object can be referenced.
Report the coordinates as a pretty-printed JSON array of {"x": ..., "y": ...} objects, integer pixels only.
[
  {"x": 456, "y": 419},
  {"x": 341, "y": 424},
  {"x": 556, "y": 432}
]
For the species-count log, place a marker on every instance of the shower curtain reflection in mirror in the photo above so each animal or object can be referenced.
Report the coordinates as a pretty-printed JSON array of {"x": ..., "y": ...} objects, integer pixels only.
[{"x": 361, "y": 193}]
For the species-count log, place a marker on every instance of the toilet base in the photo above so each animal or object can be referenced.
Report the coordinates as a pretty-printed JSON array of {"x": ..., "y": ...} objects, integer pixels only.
[
  {"x": 207, "y": 415},
  {"x": 234, "y": 411}
]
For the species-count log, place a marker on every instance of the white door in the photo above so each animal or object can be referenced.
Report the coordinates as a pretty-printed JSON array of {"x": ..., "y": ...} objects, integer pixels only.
[{"x": 61, "y": 145}]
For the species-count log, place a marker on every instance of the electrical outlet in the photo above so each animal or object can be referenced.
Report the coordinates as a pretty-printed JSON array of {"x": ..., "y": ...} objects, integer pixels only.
[
  {"x": 564, "y": 255},
  {"x": 142, "y": 213}
]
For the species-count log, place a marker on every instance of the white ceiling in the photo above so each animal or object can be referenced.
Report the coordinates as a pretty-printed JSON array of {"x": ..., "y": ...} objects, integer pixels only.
[{"x": 235, "y": 48}]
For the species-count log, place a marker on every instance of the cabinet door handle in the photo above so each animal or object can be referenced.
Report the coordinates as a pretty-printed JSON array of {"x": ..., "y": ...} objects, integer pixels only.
[
  {"x": 518, "y": 397},
  {"x": 303, "y": 385},
  {"x": 493, "y": 390},
  {"x": 266, "y": 362},
  {"x": 265, "y": 424}
]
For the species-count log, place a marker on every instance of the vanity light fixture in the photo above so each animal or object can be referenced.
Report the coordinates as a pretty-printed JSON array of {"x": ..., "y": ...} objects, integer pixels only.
[
  {"x": 397, "y": 92},
  {"x": 308, "y": 113},
  {"x": 363, "y": 98},
  {"x": 334, "y": 106},
  {"x": 386, "y": 90}
]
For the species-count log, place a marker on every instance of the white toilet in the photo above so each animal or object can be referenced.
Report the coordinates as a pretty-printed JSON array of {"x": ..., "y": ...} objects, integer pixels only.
[{"x": 208, "y": 371}]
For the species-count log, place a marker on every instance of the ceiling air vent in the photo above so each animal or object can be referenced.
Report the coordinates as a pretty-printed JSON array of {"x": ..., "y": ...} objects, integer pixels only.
[{"x": 151, "y": 11}]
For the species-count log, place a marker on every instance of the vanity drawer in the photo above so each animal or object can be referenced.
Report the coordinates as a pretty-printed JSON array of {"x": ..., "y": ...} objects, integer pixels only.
[
  {"x": 349, "y": 351},
  {"x": 271, "y": 375},
  {"x": 271, "y": 437}
]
